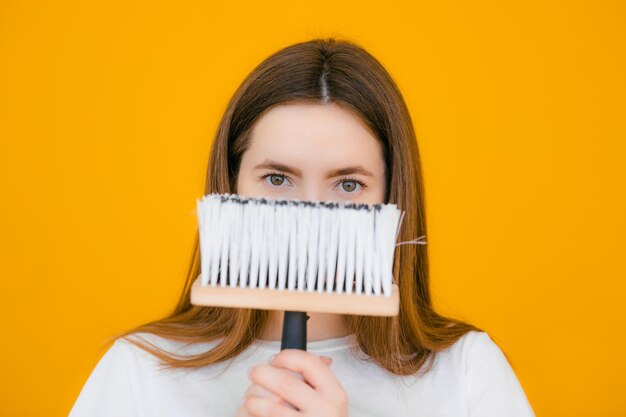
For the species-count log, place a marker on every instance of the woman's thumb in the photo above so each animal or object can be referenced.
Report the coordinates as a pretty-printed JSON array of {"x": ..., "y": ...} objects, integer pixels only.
[{"x": 327, "y": 360}]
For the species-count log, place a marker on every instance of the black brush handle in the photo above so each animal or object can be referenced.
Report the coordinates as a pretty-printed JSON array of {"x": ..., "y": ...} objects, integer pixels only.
[{"x": 294, "y": 330}]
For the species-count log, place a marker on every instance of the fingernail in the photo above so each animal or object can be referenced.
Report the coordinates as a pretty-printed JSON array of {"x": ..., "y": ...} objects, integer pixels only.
[{"x": 250, "y": 371}]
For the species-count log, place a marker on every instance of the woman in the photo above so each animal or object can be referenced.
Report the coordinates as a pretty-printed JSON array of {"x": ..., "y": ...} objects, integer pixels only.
[{"x": 318, "y": 120}]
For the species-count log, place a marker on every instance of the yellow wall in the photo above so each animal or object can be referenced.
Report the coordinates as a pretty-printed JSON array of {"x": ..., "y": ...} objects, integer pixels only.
[{"x": 107, "y": 111}]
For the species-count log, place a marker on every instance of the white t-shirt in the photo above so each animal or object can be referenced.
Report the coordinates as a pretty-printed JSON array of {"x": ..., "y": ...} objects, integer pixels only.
[{"x": 472, "y": 378}]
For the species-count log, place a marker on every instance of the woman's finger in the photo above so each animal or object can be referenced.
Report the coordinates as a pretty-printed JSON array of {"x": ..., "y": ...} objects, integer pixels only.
[
  {"x": 262, "y": 407},
  {"x": 281, "y": 382},
  {"x": 315, "y": 372},
  {"x": 327, "y": 360},
  {"x": 256, "y": 390}
]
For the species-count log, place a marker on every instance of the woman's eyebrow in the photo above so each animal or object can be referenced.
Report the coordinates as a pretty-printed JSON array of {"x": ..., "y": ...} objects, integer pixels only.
[{"x": 269, "y": 164}]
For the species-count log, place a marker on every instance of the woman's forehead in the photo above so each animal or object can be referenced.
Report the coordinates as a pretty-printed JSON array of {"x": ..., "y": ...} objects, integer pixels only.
[
  {"x": 300, "y": 133},
  {"x": 302, "y": 120}
]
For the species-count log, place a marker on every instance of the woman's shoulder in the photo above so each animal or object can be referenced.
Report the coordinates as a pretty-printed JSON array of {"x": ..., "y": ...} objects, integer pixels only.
[
  {"x": 127, "y": 374},
  {"x": 473, "y": 338},
  {"x": 474, "y": 343},
  {"x": 487, "y": 373},
  {"x": 474, "y": 351}
]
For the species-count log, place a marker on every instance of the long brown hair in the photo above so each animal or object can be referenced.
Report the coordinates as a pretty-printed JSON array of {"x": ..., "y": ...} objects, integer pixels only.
[{"x": 322, "y": 71}]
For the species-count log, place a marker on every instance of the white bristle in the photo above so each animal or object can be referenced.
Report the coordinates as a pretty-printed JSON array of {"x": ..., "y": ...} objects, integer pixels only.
[
  {"x": 236, "y": 237},
  {"x": 295, "y": 245},
  {"x": 324, "y": 222},
  {"x": 303, "y": 240},
  {"x": 293, "y": 248},
  {"x": 312, "y": 244},
  {"x": 360, "y": 236},
  {"x": 332, "y": 242},
  {"x": 263, "y": 242},
  {"x": 282, "y": 240}
]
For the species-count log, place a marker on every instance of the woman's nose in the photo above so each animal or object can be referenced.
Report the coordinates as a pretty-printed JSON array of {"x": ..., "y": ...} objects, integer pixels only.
[{"x": 312, "y": 193}]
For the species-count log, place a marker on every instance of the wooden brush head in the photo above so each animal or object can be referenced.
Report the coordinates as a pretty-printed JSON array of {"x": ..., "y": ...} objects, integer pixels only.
[
  {"x": 291, "y": 255},
  {"x": 296, "y": 300}
]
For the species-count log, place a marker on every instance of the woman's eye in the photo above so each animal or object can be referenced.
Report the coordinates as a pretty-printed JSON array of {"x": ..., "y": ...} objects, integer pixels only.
[
  {"x": 350, "y": 185},
  {"x": 276, "y": 180}
]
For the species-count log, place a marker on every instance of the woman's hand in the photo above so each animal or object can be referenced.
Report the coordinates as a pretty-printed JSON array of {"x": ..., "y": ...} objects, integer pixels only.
[{"x": 295, "y": 384}]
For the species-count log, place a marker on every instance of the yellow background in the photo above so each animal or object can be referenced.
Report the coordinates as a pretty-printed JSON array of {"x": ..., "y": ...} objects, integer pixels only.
[{"x": 108, "y": 109}]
